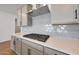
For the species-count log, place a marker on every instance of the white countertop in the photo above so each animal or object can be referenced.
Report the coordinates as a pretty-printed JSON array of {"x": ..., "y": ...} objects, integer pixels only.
[{"x": 62, "y": 44}]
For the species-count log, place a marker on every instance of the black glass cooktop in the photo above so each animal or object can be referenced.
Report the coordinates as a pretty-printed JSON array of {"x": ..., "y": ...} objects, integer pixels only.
[{"x": 39, "y": 37}]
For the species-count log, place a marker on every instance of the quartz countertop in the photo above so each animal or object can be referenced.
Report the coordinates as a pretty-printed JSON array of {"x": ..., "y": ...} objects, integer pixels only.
[{"x": 66, "y": 45}]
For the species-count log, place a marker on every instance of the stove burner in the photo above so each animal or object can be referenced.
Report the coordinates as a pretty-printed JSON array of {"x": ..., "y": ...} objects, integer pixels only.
[{"x": 39, "y": 37}]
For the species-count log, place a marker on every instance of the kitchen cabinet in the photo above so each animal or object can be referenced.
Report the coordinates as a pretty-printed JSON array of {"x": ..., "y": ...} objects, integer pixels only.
[
  {"x": 16, "y": 45},
  {"x": 35, "y": 52},
  {"x": 30, "y": 51},
  {"x": 49, "y": 51},
  {"x": 24, "y": 18},
  {"x": 36, "y": 6},
  {"x": 40, "y": 10},
  {"x": 64, "y": 13},
  {"x": 77, "y": 13},
  {"x": 29, "y": 48},
  {"x": 19, "y": 17},
  {"x": 12, "y": 43},
  {"x": 17, "y": 29},
  {"x": 25, "y": 47}
]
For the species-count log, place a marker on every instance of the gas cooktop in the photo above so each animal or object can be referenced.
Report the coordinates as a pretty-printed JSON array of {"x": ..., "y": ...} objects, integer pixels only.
[{"x": 39, "y": 37}]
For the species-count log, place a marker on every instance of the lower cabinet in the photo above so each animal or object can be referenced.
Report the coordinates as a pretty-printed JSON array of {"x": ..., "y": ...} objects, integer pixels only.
[
  {"x": 12, "y": 43},
  {"x": 49, "y": 51},
  {"x": 35, "y": 52},
  {"x": 30, "y": 50},
  {"x": 18, "y": 46},
  {"x": 24, "y": 50},
  {"x": 25, "y": 47}
]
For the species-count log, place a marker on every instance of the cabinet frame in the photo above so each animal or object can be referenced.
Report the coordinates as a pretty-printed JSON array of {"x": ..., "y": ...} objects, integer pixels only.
[
  {"x": 54, "y": 50},
  {"x": 24, "y": 18},
  {"x": 74, "y": 15}
]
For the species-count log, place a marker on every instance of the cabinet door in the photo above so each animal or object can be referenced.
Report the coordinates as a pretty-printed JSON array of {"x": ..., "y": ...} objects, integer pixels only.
[
  {"x": 12, "y": 44},
  {"x": 35, "y": 52},
  {"x": 77, "y": 13},
  {"x": 24, "y": 16},
  {"x": 19, "y": 17},
  {"x": 28, "y": 50},
  {"x": 48, "y": 51},
  {"x": 62, "y": 13},
  {"x": 18, "y": 46},
  {"x": 24, "y": 49},
  {"x": 33, "y": 45}
]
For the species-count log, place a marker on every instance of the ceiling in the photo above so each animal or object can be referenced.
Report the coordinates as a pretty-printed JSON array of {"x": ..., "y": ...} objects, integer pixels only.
[{"x": 10, "y": 8}]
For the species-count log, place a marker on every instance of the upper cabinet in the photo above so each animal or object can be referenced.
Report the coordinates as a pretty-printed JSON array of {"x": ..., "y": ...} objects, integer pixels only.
[
  {"x": 24, "y": 19},
  {"x": 38, "y": 9},
  {"x": 26, "y": 12},
  {"x": 64, "y": 13},
  {"x": 36, "y": 6},
  {"x": 18, "y": 23}
]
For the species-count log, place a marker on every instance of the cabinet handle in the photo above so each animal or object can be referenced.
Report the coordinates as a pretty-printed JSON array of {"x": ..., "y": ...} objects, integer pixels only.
[
  {"x": 55, "y": 54},
  {"x": 76, "y": 14},
  {"x": 29, "y": 52},
  {"x": 14, "y": 42}
]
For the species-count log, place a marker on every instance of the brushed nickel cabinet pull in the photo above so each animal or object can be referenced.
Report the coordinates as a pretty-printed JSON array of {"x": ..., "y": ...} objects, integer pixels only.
[
  {"x": 76, "y": 14},
  {"x": 29, "y": 52}
]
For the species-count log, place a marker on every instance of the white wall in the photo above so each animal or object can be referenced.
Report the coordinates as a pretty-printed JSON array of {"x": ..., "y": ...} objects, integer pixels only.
[{"x": 7, "y": 26}]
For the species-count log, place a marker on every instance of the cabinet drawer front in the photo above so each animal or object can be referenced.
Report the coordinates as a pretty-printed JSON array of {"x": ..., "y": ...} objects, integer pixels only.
[
  {"x": 33, "y": 45},
  {"x": 24, "y": 50},
  {"x": 32, "y": 51},
  {"x": 49, "y": 51}
]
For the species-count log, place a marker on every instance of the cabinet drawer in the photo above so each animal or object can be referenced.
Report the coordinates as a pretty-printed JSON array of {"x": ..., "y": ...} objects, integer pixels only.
[
  {"x": 35, "y": 52},
  {"x": 49, "y": 51},
  {"x": 26, "y": 50},
  {"x": 33, "y": 45}
]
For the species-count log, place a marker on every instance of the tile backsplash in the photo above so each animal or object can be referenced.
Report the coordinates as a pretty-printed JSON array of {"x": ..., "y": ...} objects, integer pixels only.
[{"x": 42, "y": 25}]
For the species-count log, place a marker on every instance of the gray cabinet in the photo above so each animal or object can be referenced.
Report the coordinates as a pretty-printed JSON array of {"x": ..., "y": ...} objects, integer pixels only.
[
  {"x": 24, "y": 18},
  {"x": 29, "y": 48},
  {"x": 49, "y": 51},
  {"x": 77, "y": 13},
  {"x": 35, "y": 52},
  {"x": 63, "y": 13},
  {"x": 19, "y": 17},
  {"x": 12, "y": 43},
  {"x": 18, "y": 46},
  {"x": 36, "y": 6},
  {"x": 40, "y": 10},
  {"x": 25, "y": 47}
]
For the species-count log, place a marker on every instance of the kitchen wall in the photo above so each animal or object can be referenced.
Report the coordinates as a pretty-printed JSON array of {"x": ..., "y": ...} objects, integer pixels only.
[
  {"x": 7, "y": 26},
  {"x": 38, "y": 25},
  {"x": 42, "y": 25}
]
